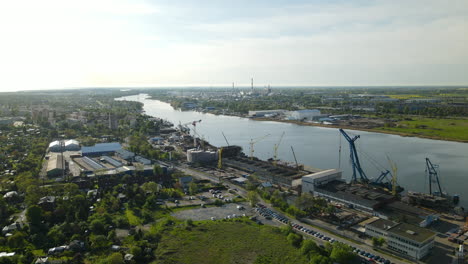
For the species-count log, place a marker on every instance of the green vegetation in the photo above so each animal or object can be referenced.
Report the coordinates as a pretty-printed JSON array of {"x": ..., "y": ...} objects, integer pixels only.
[
  {"x": 226, "y": 242},
  {"x": 448, "y": 129}
]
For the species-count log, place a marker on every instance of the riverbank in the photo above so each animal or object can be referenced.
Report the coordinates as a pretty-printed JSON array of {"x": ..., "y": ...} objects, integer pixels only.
[{"x": 376, "y": 130}]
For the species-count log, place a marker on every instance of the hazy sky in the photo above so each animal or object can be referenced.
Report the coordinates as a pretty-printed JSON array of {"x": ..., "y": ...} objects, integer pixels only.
[{"x": 59, "y": 43}]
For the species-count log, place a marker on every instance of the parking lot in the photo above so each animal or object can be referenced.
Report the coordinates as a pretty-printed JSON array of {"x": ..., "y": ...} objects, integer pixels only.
[{"x": 217, "y": 212}]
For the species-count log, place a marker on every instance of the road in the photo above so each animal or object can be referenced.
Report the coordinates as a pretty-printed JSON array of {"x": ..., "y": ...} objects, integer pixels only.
[{"x": 243, "y": 192}]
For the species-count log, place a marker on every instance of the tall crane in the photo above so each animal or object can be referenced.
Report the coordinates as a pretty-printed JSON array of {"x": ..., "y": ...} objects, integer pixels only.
[
  {"x": 294, "y": 155},
  {"x": 354, "y": 159},
  {"x": 275, "y": 148},
  {"x": 225, "y": 138},
  {"x": 394, "y": 175},
  {"x": 253, "y": 142},
  {"x": 433, "y": 177},
  {"x": 194, "y": 124}
]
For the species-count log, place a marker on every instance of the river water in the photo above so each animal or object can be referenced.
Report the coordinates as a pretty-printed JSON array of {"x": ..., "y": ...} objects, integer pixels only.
[{"x": 318, "y": 147}]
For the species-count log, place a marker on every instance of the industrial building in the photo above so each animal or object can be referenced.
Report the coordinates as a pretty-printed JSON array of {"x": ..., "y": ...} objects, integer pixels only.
[
  {"x": 202, "y": 156},
  {"x": 410, "y": 240},
  {"x": 125, "y": 154},
  {"x": 310, "y": 181},
  {"x": 266, "y": 113},
  {"x": 329, "y": 185},
  {"x": 282, "y": 175},
  {"x": 101, "y": 149},
  {"x": 66, "y": 145},
  {"x": 142, "y": 160},
  {"x": 307, "y": 114},
  {"x": 55, "y": 165}
]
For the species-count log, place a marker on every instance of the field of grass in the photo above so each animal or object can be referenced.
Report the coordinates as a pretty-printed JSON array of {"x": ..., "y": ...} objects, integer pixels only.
[
  {"x": 447, "y": 129},
  {"x": 226, "y": 242}
]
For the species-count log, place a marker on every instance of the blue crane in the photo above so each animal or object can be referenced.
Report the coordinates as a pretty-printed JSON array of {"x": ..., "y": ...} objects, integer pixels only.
[
  {"x": 355, "y": 159},
  {"x": 433, "y": 177}
]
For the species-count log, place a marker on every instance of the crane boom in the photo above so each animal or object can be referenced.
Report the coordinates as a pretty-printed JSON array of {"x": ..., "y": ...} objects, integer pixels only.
[
  {"x": 275, "y": 148},
  {"x": 253, "y": 142},
  {"x": 433, "y": 176},
  {"x": 354, "y": 158},
  {"x": 394, "y": 175},
  {"x": 225, "y": 138},
  {"x": 294, "y": 155}
]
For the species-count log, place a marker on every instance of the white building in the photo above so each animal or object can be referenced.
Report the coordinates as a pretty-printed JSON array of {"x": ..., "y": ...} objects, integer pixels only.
[
  {"x": 266, "y": 113},
  {"x": 410, "y": 240},
  {"x": 55, "y": 146},
  {"x": 310, "y": 181},
  {"x": 72, "y": 145},
  {"x": 307, "y": 114}
]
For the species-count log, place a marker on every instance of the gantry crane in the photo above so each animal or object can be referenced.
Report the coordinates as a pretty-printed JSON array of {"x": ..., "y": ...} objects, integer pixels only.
[
  {"x": 254, "y": 141},
  {"x": 275, "y": 150}
]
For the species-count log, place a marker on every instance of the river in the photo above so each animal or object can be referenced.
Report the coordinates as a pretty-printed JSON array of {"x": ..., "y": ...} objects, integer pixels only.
[{"x": 318, "y": 147}]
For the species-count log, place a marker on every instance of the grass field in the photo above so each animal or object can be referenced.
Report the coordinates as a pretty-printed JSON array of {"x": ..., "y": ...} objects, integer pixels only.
[
  {"x": 447, "y": 129},
  {"x": 226, "y": 242}
]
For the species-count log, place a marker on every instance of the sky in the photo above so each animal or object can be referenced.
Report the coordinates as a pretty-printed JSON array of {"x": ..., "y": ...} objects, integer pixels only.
[{"x": 52, "y": 44}]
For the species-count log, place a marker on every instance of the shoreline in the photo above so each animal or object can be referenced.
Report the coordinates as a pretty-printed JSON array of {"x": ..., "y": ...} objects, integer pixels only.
[{"x": 361, "y": 129}]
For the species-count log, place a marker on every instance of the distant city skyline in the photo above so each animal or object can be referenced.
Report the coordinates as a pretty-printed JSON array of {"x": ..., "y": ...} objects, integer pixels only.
[{"x": 55, "y": 44}]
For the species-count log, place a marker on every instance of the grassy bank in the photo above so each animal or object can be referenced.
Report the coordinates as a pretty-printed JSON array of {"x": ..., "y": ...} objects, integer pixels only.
[
  {"x": 226, "y": 242},
  {"x": 446, "y": 129}
]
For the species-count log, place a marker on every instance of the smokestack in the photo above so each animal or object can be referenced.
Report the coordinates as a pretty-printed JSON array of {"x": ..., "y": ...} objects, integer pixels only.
[{"x": 251, "y": 85}]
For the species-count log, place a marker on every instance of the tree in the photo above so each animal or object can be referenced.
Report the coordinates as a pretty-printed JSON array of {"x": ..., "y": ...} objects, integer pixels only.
[
  {"x": 115, "y": 258},
  {"x": 151, "y": 187},
  {"x": 294, "y": 239},
  {"x": 308, "y": 247},
  {"x": 319, "y": 259},
  {"x": 34, "y": 215},
  {"x": 252, "y": 196},
  {"x": 97, "y": 226},
  {"x": 342, "y": 253},
  {"x": 378, "y": 241},
  {"x": 193, "y": 188}
]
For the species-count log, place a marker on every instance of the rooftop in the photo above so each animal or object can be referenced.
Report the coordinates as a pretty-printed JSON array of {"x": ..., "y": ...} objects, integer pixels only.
[
  {"x": 101, "y": 147},
  {"x": 412, "y": 232},
  {"x": 382, "y": 224}
]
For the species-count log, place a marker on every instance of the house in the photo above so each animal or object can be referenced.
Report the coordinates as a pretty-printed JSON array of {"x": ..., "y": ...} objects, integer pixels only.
[
  {"x": 42, "y": 260},
  {"x": 185, "y": 181},
  {"x": 10, "y": 228},
  {"x": 47, "y": 203}
]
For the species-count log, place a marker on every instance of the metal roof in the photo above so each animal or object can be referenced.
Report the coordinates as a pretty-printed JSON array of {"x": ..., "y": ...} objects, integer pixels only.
[{"x": 101, "y": 147}]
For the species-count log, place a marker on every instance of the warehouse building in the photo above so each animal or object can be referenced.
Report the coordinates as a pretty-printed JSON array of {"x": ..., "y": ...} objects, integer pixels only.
[
  {"x": 55, "y": 165},
  {"x": 307, "y": 114},
  {"x": 266, "y": 113},
  {"x": 311, "y": 181},
  {"x": 101, "y": 149}
]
